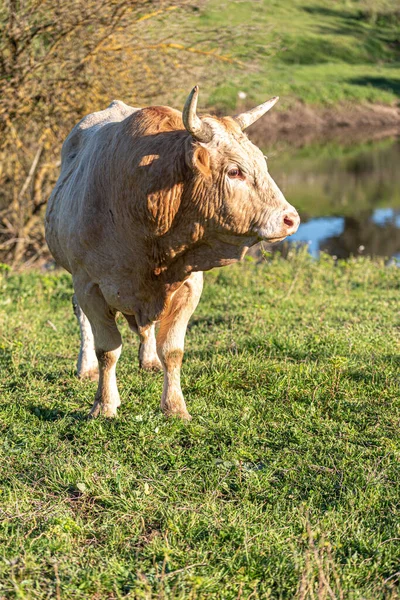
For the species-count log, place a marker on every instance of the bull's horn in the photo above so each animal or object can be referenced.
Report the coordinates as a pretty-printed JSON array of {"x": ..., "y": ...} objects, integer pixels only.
[
  {"x": 200, "y": 130},
  {"x": 247, "y": 118}
]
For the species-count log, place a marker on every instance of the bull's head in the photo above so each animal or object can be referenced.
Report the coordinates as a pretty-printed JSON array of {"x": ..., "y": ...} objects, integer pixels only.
[{"x": 246, "y": 200}]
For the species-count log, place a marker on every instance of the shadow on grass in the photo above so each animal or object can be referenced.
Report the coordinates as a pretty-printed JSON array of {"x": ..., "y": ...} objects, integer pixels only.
[
  {"x": 383, "y": 83},
  {"x": 24, "y": 372},
  {"x": 376, "y": 376},
  {"x": 214, "y": 321},
  {"x": 381, "y": 44},
  {"x": 56, "y": 414},
  {"x": 6, "y": 357},
  {"x": 331, "y": 12}
]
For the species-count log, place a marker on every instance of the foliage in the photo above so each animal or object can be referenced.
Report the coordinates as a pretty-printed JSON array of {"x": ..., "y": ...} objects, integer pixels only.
[
  {"x": 284, "y": 485},
  {"x": 61, "y": 61}
]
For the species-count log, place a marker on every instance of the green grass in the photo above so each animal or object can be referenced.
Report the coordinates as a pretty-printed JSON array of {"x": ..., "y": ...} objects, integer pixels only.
[
  {"x": 288, "y": 475},
  {"x": 320, "y": 52}
]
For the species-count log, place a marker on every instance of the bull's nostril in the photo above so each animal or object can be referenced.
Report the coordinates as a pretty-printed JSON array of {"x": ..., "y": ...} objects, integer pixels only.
[{"x": 288, "y": 222}]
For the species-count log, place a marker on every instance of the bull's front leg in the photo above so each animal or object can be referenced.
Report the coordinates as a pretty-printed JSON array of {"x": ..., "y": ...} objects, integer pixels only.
[
  {"x": 107, "y": 343},
  {"x": 170, "y": 343}
]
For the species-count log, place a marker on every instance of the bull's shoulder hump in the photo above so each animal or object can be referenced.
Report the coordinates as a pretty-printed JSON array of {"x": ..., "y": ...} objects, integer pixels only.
[
  {"x": 117, "y": 111},
  {"x": 80, "y": 135}
]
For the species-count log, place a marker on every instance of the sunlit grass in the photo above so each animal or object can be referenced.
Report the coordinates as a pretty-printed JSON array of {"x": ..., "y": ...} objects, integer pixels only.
[
  {"x": 320, "y": 52},
  {"x": 289, "y": 469}
]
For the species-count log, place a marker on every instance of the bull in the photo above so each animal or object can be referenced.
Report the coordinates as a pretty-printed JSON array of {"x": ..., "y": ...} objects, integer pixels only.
[{"x": 148, "y": 199}]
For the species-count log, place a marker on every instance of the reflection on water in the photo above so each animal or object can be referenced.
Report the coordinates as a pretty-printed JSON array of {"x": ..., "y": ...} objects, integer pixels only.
[
  {"x": 375, "y": 234},
  {"x": 348, "y": 197}
]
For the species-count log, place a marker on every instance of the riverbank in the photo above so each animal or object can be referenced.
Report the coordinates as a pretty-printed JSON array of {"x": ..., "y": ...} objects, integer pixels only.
[
  {"x": 345, "y": 123},
  {"x": 278, "y": 483}
]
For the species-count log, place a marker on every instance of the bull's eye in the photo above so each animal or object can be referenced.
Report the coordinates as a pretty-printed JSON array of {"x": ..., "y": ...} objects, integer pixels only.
[{"x": 235, "y": 173}]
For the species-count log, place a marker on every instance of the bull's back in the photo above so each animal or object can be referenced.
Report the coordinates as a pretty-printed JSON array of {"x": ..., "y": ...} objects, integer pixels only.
[{"x": 66, "y": 213}]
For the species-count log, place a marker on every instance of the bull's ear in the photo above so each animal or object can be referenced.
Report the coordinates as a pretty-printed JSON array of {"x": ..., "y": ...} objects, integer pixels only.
[{"x": 202, "y": 162}]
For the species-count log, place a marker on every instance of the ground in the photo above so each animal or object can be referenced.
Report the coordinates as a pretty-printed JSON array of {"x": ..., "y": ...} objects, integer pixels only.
[{"x": 285, "y": 483}]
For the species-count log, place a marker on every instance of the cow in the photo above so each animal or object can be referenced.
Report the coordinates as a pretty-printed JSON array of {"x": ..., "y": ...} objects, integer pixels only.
[{"x": 147, "y": 199}]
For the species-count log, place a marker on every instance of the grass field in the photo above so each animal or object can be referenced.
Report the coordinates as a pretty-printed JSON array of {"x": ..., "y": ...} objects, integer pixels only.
[
  {"x": 320, "y": 52},
  {"x": 284, "y": 485}
]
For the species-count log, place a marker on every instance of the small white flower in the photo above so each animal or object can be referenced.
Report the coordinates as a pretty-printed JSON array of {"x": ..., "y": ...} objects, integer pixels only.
[
  {"x": 139, "y": 418},
  {"x": 242, "y": 95},
  {"x": 361, "y": 248}
]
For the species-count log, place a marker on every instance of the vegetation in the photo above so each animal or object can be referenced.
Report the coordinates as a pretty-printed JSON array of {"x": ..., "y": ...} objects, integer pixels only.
[
  {"x": 286, "y": 482},
  {"x": 318, "y": 52},
  {"x": 59, "y": 62}
]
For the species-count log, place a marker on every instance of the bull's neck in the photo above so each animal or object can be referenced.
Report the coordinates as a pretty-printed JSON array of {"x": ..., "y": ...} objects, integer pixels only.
[
  {"x": 210, "y": 249},
  {"x": 196, "y": 239}
]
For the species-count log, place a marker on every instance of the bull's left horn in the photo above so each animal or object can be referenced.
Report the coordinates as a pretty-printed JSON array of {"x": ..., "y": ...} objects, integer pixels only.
[
  {"x": 248, "y": 118},
  {"x": 200, "y": 130}
]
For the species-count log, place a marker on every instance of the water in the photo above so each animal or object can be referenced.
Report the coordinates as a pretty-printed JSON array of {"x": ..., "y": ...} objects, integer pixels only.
[{"x": 348, "y": 196}]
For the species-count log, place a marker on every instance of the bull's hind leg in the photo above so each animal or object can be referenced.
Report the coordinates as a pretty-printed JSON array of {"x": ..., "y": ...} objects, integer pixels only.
[
  {"x": 148, "y": 357},
  {"x": 107, "y": 342},
  {"x": 170, "y": 343},
  {"x": 87, "y": 366}
]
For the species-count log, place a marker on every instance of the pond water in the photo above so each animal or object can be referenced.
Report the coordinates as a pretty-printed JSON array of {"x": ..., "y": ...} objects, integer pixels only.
[{"x": 348, "y": 196}]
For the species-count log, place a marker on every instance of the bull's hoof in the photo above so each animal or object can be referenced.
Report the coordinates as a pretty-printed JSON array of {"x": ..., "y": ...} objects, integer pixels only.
[
  {"x": 151, "y": 365},
  {"x": 180, "y": 414},
  {"x": 106, "y": 410},
  {"x": 92, "y": 375}
]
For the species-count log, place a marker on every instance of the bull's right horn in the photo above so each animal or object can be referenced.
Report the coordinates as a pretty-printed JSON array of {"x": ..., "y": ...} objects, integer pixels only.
[
  {"x": 200, "y": 130},
  {"x": 247, "y": 118}
]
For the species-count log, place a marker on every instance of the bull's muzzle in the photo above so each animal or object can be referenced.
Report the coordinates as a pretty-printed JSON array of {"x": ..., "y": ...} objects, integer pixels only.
[{"x": 291, "y": 222}]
